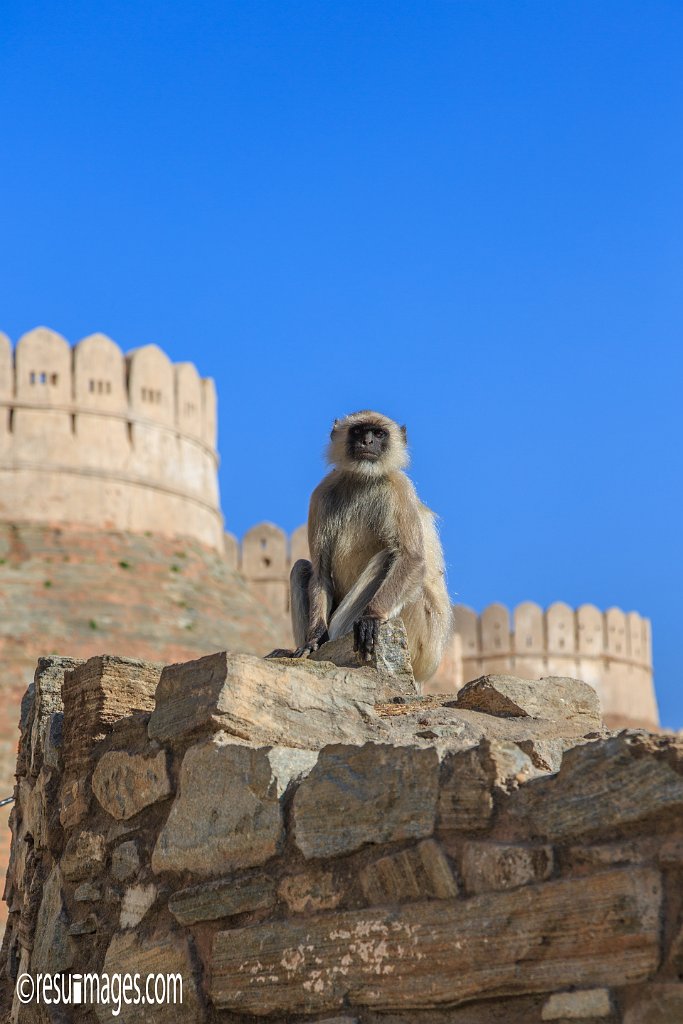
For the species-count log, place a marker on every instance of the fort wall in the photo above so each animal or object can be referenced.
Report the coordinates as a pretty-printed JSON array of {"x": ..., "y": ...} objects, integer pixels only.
[
  {"x": 611, "y": 650},
  {"x": 90, "y": 436}
]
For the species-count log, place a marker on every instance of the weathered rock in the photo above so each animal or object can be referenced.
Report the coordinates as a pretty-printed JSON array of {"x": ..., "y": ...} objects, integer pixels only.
[
  {"x": 84, "y": 856},
  {"x": 472, "y": 777},
  {"x": 614, "y": 783},
  {"x": 290, "y": 765},
  {"x": 310, "y": 892},
  {"x": 135, "y": 903},
  {"x": 48, "y": 681},
  {"x": 660, "y": 1004},
  {"x": 570, "y": 932},
  {"x": 125, "y": 861},
  {"x": 390, "y": 657},
  {"x": 125, "y": 783},
  {"x": 289, "y": 703},
  {"x": 554, "y": 698},
  {"x": 225, "y": 897},
  {"x": 490, "y": 867},
  {"x": 97, "y": 694},
  {"x": 87, "y": 926},
  {"x": 88, "y": 892},
  {"x": 579, "y": 1005},
  {"x": 416, "y": 873},
  {"x": 241, "y": 821},
  {"x": 131, "y": 953},
  {"x": 369, "y": 794},
  {"x": 53, "y": 949}
]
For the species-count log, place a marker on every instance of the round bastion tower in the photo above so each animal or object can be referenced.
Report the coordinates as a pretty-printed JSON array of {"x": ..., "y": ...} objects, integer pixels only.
[{"x": 90, "y": 436}]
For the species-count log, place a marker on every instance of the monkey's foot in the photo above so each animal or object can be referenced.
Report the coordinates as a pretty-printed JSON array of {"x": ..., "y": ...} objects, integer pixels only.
[
  {"x": 280, "y": 652},
  {"x": 365, "y": 636}
]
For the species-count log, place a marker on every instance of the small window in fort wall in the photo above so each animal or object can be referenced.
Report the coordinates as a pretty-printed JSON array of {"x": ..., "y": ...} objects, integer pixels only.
[
  {"x": 150, "y": 384},
  {"x": 466, "y": 625},
  {"x": 528, "y": 628},
  {"x": 188, "y": 393},
  {"x": 590, "y": 630},
  {"x": 617, "y": 637},
  {"x": 495, "y": 630},
  {"x": 561, "y": 626},
  {"x": 43, "y": 367},
  {"x": 99, "y": 374},
  {"x": 264, "y": 553}
]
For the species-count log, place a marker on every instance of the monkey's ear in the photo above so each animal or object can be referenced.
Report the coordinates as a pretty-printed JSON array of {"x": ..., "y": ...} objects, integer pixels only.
[
  {"x": 334, "y": 427},
  {"x": 404, "y": 434}
]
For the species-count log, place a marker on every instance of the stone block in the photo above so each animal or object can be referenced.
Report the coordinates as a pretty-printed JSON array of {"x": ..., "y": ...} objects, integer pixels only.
[
  {"x": 126, "y": 783},
  {"x": 391, "y": 657},
  {"x": 135, "y": 903},
  {"x": 538, "y": 938},
  {"x": 555, "y": 699},
  {"x": 96, "y": 694},
  {"x": 48, "y": 680},
  {"x": 226, "y": 814},
  {"x": 488, "y": 867},
  {"x": 370, "y": 794},
  {"x": 125, "y": 861},
  {"x": 53, "y": 949},
  {"x": 472, "y": 777},
  {"x": 282, "y": 702},
  {"x": 88, "y": 892},
  {"x": 310, "y": 892},
  {"x": 580, "y": 1005},
  {"x": 84, "y": 856},
  {"x": 659, "y": 1004},
  {"x": 614, "y": 783},
  {"x": 225, "y": 897},
  {"x": 419, "y": 872},
  {"x": 130, "y": 952},
  {"x": 87, "y": 926}
]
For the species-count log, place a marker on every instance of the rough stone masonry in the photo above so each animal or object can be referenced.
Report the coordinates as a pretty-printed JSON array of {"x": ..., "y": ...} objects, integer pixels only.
[{"x": 308, "y": 841}]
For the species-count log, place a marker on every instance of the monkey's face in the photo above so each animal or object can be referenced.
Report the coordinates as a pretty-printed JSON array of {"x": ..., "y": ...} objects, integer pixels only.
[{"x": 366, "y": 442}]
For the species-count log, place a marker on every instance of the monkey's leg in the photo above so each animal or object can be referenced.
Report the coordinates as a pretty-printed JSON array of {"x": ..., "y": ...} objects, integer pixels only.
[
  {"x": 299, "y": 602},
  {"x": 350, "y": 612},
  {"x": 304, "y": 591},
  {"x": 299, "y": 581}
]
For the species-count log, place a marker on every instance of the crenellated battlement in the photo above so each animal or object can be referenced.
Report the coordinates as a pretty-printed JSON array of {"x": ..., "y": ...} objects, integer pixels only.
[
  {"x": 90, "y": 435},
  {"x": 612, "y": 650}
]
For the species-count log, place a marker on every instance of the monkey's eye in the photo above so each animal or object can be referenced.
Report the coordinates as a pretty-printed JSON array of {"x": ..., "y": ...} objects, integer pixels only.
[{"x": 379, "y": 433}]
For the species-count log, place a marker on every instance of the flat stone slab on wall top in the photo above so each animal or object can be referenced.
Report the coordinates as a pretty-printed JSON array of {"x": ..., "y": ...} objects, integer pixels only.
[
  {"x": 539, "y": 938},
  {"x": 555, "y": 698},
  {"x": 292, "y": 703}
]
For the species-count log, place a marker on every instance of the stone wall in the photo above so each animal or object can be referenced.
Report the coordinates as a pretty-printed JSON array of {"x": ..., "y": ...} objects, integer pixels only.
[
  {"x": 85, "y": 591},
  {"x": 611, "y": 650},
  {"x": 304, "y": 842},
  {"x": 88, "y": 436}
]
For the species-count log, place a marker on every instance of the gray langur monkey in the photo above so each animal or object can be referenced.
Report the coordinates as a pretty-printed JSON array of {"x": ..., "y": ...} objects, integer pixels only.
[{"x": 375, "y": 551}]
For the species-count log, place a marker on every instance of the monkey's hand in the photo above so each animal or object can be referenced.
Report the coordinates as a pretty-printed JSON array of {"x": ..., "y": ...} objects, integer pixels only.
[
  {"x": 365, "y": 636},
  {"x": 315, "y": 639}
]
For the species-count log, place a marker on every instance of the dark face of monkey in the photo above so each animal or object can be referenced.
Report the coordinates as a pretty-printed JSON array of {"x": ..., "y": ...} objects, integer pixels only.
[{"x": 366, "y": 442}]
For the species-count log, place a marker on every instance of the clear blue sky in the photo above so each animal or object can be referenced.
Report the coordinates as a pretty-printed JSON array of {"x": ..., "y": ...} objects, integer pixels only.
[{"x": 465, "y": 214}]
